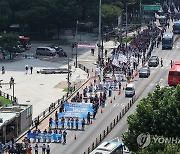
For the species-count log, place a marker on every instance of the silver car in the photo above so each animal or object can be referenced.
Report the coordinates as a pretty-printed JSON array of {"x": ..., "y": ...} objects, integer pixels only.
[{"x": 144, "y": 72}]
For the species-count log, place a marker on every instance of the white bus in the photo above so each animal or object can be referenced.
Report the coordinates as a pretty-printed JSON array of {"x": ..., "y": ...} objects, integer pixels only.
[{"x": 111, "y": 147}]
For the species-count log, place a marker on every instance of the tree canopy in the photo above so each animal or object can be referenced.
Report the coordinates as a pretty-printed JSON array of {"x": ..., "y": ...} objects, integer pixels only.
[{"x": 158, "y": 114}]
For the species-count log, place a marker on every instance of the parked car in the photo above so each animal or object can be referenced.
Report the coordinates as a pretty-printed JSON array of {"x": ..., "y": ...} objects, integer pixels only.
[
  {"x": 144, "y": 72},
  {"x": 48, "y": 51},
  {"x": 153, "y": 61},
  {"x": 59, "y": 50}
]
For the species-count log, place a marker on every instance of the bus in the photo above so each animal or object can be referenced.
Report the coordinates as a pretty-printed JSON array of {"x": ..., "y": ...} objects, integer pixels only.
[
  {"x": 24, "y": 42},
  {"x": 174, "y": 75},
  {"x": 111, "y": 147},
  {"x": 176, "y": 27},
  {"x": 167, "y": 40}
]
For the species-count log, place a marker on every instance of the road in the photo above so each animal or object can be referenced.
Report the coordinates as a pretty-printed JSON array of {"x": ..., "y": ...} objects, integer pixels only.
[
  {"x": 143, "y": 86},
  {"x": 159, "y": 77}
]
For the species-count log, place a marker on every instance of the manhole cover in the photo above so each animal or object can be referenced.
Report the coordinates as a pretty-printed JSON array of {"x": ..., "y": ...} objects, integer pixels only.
[
  {"x": 41, "y": 84},
  {"x": 28, "y": 101}
]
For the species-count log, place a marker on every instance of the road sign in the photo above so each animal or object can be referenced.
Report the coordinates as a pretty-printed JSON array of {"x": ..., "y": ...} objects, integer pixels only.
[{"x": 151, "y": 7}]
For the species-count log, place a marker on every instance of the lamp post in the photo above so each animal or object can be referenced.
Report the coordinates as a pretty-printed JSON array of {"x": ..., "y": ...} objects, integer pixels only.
[
  {"x": 68, "y": 77},
  {"x": 126, "y": 25},
  {"x": 76, "y": 40},
  {"x": 99, "y": 32}
]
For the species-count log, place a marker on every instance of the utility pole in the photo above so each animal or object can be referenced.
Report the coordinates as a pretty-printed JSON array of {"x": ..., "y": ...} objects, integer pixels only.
[
  {"x": 76, "y": 40},
  {"x": 140, "y": 11},
  {"x": 126, "y": 25},
  {"x": 68, "y": 77},
  {"x": 99, "y": 33}
]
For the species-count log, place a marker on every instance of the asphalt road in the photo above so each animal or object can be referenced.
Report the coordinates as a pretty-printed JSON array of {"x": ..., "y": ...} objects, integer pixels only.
[
  {"x": 143, "y": 86},
  {"x": 159, "y": 76}
]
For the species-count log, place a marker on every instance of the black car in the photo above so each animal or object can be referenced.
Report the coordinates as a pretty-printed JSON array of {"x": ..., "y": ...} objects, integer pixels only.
[
  {"x": 59, "y": 50},
  {"x": 144, "y": 72},
  {"x": 153, "y": 61}
]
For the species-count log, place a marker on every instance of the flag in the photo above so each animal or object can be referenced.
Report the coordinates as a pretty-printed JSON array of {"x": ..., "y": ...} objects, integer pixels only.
[{"x": 115, "y": 62}]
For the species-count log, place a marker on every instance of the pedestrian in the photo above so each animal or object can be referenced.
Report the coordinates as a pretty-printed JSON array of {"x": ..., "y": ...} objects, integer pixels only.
[
  {"x": 43, "y": 149},
  {"x": 50, "y": 122},
  {"x": 31, "y": 69},
  {"x": 72, "y": 123},
  {"x": 110, "y": 91},
  {"x": 68, "y": 123},
  {"x": 106, "y": 53},
  {"x": 171, "y": 63},
  {"x": 62, "y": 122},
  {"x": 29, "y": 150},
  {"x": 3, "y": 70},
  {"x": 161, "y": 62},
  {"x": 77, "y": 120},
  {"x": 36, "y": 149},
  {"x": 48, "y": 149},
  {"x": 83, "y": 123},
  {"x": 88, "y": 118},
  {"x": 26, "y": 68},
  {"x": 119, "y": 85},
  {"x": 64, "y": 136},
  {"x": 36, "y": 123},
  {"x": 11, "y": 82}
]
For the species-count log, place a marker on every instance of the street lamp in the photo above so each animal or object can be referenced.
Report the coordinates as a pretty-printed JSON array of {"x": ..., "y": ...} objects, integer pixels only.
[
  {"x": 99, "y": 32},
  {"x": 76, "y": 40},
  {"x": 127, "y": 21}
]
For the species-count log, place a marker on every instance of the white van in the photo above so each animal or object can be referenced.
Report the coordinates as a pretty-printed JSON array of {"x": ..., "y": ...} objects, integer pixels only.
[
  {"x": 130, "y": 90},
  {"x": 48, "y": 51}
]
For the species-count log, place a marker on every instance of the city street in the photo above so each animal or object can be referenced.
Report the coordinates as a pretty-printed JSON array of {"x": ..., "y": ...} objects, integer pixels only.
[{"x": 143, "y": 86}]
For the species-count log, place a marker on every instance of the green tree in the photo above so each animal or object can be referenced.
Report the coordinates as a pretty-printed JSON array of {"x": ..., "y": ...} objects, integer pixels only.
[
  {"x": 110, "y": 14},
  {"x": 157, "y": 114},
  {"x": 5, "y": 14},
  {"x": 8, "y": 42}
]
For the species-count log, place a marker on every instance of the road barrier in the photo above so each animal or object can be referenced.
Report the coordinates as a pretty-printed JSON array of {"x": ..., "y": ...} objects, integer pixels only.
[
  {"x": 108, "y": 129},
  {"x": 7, "y": 96},
  {"x": 56, "y": 104}
]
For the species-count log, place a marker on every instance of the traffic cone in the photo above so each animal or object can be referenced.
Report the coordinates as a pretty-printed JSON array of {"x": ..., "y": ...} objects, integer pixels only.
[
  {"x": 75, "y": 137},
  {"x": 91, "y": 121},
  {"x": 119, "y": 92},
  {"x": 101, "y": 110},
  {"x": 114, "y": 97},
  {"x": 111, "y": 101}
]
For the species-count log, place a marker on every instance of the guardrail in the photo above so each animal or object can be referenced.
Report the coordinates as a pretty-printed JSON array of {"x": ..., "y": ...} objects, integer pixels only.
[
  {"x": 57, "y": 103},
  {"x": 109, "y": 128},
  {"x": 7, "y": 96}
]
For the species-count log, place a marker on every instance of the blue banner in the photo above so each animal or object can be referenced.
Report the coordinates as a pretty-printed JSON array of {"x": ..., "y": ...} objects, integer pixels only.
[
  {"x": 55, "y": 137},
  {"x": 79, "y": 110}
]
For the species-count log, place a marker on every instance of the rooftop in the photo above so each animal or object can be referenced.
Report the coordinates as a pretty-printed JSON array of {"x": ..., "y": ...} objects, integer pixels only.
[{"x": 5, "y": 116}]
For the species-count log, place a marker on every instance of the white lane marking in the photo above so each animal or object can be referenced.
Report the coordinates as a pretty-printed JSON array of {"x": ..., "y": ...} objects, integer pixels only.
[{"x": 116, "y": 104}]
